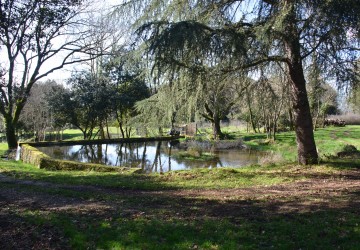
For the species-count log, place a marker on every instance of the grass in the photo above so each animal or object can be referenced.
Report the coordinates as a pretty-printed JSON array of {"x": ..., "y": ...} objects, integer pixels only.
[
  {"x": 197, "y": 178},
  {"x": 333, "y": 139},
  {"x": 196, "y": 209},
  {"x": 328, "y": 140},
  {"x": 3, "y": 148},
  {"x": 220, "y": 178},
  {"x": 306, "y": 231},
  {"x": 72, "y": 134}
]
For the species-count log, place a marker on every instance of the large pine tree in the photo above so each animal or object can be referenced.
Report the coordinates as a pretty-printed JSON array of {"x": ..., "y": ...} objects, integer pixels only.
[{"x": 246, "y": 34}]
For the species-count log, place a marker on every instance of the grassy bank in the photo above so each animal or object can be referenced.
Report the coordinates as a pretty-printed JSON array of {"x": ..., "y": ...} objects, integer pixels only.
[{"x": 197, "y": 178}]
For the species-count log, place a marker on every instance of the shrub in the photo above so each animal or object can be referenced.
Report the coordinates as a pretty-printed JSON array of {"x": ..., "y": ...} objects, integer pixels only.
[
  {"x": 349, "y": 148},
  {"x": 349, "y": 151}
]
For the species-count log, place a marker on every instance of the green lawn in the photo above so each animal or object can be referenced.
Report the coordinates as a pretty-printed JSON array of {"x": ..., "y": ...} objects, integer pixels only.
[
  {"x": 3, "y": 148},
  {"x": 329, "y": 141}
]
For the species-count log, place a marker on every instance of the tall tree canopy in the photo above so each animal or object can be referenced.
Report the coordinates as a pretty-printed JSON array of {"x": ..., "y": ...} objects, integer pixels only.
[
  {"x": 245, "y": 34},
  {"x": 32, "y": 34},
  {"x": 86, "y": 104},
  {"x": 125, "y": 74}
]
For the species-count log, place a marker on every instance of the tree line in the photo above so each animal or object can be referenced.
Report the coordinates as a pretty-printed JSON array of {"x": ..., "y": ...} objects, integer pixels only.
[{"x": 90, "y": 102}]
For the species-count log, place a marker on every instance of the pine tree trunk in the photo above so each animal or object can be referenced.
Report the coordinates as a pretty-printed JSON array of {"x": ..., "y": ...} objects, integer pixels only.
[{"x": 307, "y": 153}]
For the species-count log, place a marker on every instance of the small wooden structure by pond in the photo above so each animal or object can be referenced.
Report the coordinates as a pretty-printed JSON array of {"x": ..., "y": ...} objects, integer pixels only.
[{"x": 187, "y": 129}]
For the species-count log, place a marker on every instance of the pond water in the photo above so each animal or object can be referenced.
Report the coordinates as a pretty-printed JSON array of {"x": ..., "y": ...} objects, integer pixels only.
[{"x": 160, "y": 156}]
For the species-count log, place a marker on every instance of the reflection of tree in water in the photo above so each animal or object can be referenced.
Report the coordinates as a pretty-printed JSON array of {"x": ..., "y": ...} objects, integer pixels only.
[
  {"x": 136, "y": 155},
  {"x": 143, "y": 158},
  {"x": 171, "y": 145},
  {"x": 58, "y": 153},
  {"x": 157, "y": 164},
  {"x": 89, "y": 153},
  {"x": 157, "y": 159},
  {"x": 190, "y": 164},
  {"x": 149, "y": 156},
  {"x": 128, "y": 155}
]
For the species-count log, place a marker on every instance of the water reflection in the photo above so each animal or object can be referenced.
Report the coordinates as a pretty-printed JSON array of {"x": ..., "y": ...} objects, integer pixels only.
[{"x": 149, "y": 156}]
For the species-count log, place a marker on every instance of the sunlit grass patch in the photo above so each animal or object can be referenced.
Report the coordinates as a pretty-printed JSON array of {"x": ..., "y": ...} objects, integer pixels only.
[
  {"x": 72, "y": 134},
  {"x": 329, "y": 141},
  {"x": 3, "y": 148}
]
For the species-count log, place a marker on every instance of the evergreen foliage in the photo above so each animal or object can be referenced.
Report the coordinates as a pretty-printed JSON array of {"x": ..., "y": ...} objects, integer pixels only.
[{"x": 239, "y": 35}]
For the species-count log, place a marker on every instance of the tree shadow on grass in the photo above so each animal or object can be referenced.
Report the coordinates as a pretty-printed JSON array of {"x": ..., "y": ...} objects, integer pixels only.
[
  {"x": 138, "y": 219},
  {"x": 202, "y": 224},
  {"x": 343, "y": 163}
]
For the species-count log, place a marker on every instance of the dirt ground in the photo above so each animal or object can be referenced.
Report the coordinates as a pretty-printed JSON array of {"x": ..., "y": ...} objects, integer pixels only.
[{"x": 25, "y": 196}]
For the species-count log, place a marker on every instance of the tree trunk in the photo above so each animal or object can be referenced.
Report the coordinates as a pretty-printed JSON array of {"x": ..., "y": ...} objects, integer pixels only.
[
  {"x": 274, "y": 128},
  {"x": 216, "y": 127},
  {"x": 307, "y": 153},
  {"x": 291, "y": 119},
  {"x": 107, "y": 129},
  {"x": 250, "y": 112},
  {"x": 316, "y": 118},
  {"x": 122, "y": 130},
  {"x": 11, "y": 133}
]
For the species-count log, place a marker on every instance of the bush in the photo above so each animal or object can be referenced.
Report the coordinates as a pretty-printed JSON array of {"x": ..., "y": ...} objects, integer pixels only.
[
  {"x": 349, "y": 148},
  {"x": 349, "y": 151}
]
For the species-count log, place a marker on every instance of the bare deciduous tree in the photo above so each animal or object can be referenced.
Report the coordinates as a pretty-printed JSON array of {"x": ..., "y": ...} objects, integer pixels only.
[{"x": 32, "y": 34}]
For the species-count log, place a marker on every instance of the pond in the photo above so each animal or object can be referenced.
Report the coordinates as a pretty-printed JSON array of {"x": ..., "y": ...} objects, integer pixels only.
[{"x": 156, "y": 156}]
